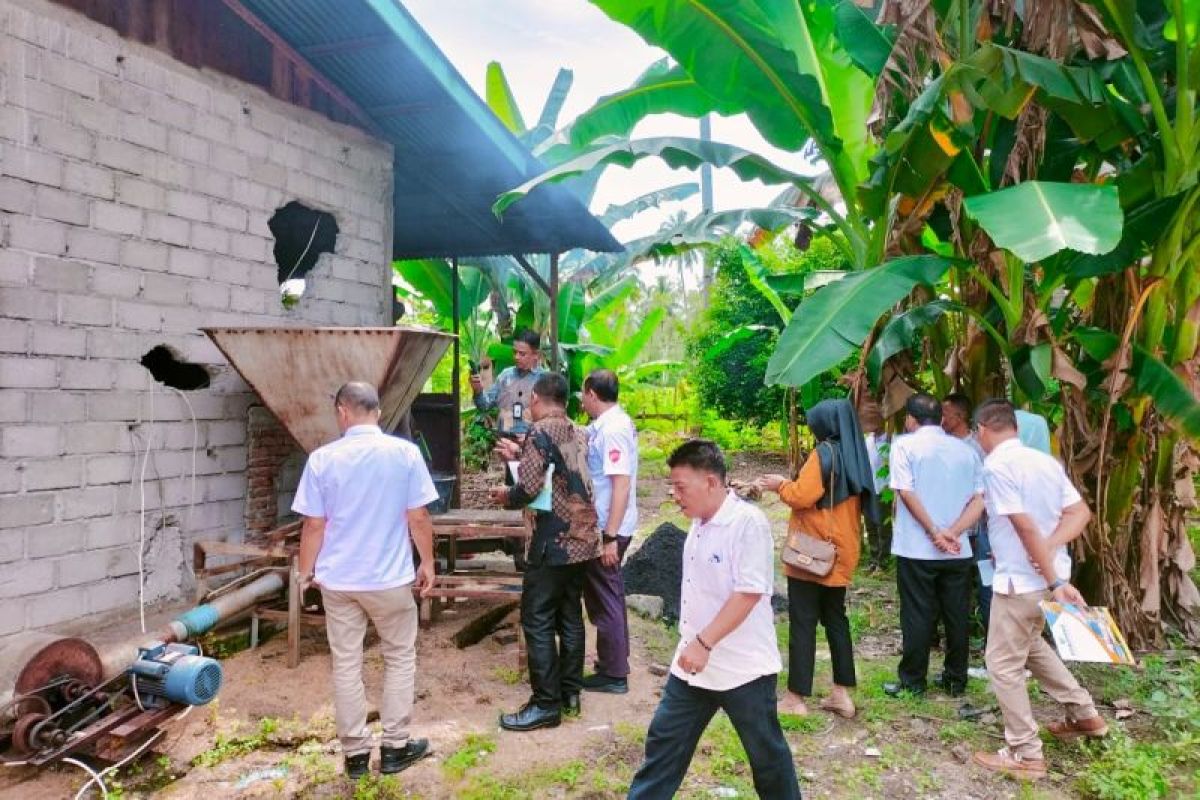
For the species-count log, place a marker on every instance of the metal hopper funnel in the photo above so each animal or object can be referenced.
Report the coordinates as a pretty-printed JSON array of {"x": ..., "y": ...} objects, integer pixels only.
[{"x": 296, "y": 371}]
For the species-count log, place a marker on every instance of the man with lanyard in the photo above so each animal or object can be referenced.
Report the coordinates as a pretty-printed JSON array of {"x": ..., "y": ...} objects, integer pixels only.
[
  {"x": 939, "y": 486},
  {"x": 612, "y": 462},
  {"x": 565, "y": 538},
  {"x": 727, "y": 657},
  {"x": 1033, "y": 513},
  {"x": 512, "y": 391}
]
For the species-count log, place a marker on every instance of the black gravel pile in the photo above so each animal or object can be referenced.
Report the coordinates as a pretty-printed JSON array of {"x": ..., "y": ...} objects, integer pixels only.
[{"x": 657, "y": 568}]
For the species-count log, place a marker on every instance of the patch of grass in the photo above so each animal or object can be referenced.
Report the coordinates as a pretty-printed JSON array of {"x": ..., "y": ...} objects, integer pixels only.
[
  {"x": 722, "y": 757},
  {"x": 379, "y": 787},
  {"x": 227, "y": 747},
  {"x": 658, "y": 637},
  {"x": 474, "y": 750},
  {"x": 1124, "y": 768},
  {"x": 507, "y": 675},
  {"x": 811, "y": 723}
]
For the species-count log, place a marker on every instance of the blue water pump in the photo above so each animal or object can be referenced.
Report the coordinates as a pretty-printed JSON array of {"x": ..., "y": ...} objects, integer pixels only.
[{"x": 176, "y": 673}]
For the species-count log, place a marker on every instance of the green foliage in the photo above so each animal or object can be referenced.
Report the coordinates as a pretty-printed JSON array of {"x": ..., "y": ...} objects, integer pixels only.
[
  {"x": 227, "y": 747},
  {"x": 473, "y": 751},
  {"x": 1124, "y": 768}
]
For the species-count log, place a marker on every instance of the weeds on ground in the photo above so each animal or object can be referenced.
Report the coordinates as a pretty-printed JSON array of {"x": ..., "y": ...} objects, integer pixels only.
[
  {"x": 475, "y": 749},
  {"x": 507, "y": 675},
  {"x": 227, "y": 747}
]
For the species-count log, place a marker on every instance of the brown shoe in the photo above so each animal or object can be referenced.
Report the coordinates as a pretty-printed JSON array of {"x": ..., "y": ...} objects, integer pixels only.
[
  {"x": 1069, "y": 729},
  {"x": 846, "y": 709},
  {"x": 1016, "y": 766}
]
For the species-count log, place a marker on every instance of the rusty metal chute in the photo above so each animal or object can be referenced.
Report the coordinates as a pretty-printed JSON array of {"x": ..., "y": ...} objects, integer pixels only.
[{"x": 295, "y": 371}]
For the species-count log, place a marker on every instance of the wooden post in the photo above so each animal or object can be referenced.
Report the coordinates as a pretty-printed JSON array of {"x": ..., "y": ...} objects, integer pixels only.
[
  {"x": 554, "y": 311},
  {"x": 456, "y": 387},
  {"x": 293, "y": 623}
]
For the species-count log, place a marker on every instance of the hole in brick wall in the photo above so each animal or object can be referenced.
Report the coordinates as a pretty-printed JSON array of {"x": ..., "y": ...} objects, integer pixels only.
[
  {"x": 169, "y": 369},
  {"x": 301, "y": 234}
]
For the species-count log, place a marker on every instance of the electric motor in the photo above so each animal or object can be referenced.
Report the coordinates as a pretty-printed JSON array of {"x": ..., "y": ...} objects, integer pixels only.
[{"x": 176, "y": 673}]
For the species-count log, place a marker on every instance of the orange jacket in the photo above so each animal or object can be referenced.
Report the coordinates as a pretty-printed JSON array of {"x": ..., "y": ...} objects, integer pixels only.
[{"x": 839, "y": 525}]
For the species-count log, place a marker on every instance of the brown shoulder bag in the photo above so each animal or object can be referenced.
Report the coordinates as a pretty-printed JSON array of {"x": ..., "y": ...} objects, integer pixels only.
[{"x": 808, "y": 553}]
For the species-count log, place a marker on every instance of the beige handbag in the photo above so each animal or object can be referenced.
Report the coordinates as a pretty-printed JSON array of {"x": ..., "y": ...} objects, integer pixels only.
[{"x": 807, "y": 553}]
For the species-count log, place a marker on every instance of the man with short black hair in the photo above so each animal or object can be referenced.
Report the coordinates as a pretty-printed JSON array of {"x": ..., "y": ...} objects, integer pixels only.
[
  {"x": 1033, "y": 513},
  {"x": 727, "y": 657},
  {"x": 512, "y": 390},
  {"x": 938, "y": 485},
  {"x": 363, "y": 498},
  {"x": 612, "y": 462},
  {"x": 565, "y": 538}
]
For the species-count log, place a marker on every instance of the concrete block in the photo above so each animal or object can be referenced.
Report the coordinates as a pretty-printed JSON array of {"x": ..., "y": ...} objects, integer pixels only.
[
  {"x": 212, "y": 183},
  {"x": 102, "y": 470},
  {"x": 269, "y": 174},
  {"x": 115, "y": 282},
  {"x": 125, "y": 220},
  {"x": 111, "y": 531},
  {"x": 10, "y": 477},
  {"x": 132, "y": 376},
  {"x": 121, "y": 561},
  {"x": 80, "y": 568},
  {"x": 58, "y": 473},
  {"x": 14, "y": 336},
  {"x": 115, "y": 406},
  {"x": 149, "y": 255},
  {"x": 232, "y": 271},
  {"x": 144, "y": 132},
  {"x": 15, "y": 196},
  {"x": 13, "y": 621},
  {"x": 139, "y": 316},
  {"x": 21, "y": 578},
  {"x": 93, "y": 115},
  {"x": 188, "y": 205},
  {"x": 251, "y": 248},
  {"x": 28, "y": 373},
  {"x": 226, "y": 433},
  {"x": 210, "y": 239},
  {"x": 188, "y": 147},
  {"x": 96, "y": 53},
  {"x": 85, "y": 179},
  {"x": 42, "y": 98},
  {"x": 251, "y": 301},
  {"x": 116, "y": 344},
  {"x": 86, "y": 375},
  {"x": 15, "y": 268},
  {"x": 60, "y": 275},
  {"x": 16, "y": 124},
  {"x": 229, "y": 160},
  {"x": 91, "y": 245},
  {"x": 35, "y": 166},
  {"x": 55, "y": 340},
  {"x": 169, "y": 289},
  {"x": 207, "y": 294},
  {"x": 12, "y": 546},
  {"x": 190, "y": 263},
  {"x": 55, "y": 540},
  {"x": 70, "y": 75},
  {"x": 224, "y": 487},
  {"x": 113, "y": 593},
  {"x": 214, "y": 128},
  {"x": 231, "y": 459},
  {"x": 173, "y": 114},
  {"x": 63, "y": 138},
  {"x": 97, "y": 437},
  {"x": 123, "y": 156},
  {"x": 228, "y": 216},
  {"x": 62, "y": 206},
  {"x": 251, "y": 142},
  {"x": 24, "y": 510},
  {"x": 13, "y": 406},
  {"x": 22, "y": 441},
  {"x": 57, "y": 406},
  {"x": 62, "y": 605},
  {"x": 173, "y": 172},
  {"x": 251, "y": 194},
  {"x": 141, "y": 193},
  {"x": 37, "y": 236},
  {"x": 94, "y": 501},
  {"x": 85, "y": 310}
]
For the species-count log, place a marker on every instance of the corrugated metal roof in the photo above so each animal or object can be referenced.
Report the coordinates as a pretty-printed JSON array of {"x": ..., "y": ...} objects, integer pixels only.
[{"x": 452, "y": 156}]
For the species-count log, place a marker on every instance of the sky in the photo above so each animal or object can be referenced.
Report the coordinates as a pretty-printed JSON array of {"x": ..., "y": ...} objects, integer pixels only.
[{"x": 532, "y": 39}]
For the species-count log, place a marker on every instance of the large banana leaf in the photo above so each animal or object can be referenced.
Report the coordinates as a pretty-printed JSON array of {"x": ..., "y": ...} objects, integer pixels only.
[
  {"x": 1143, "y": 227},
  {"x": 501, "y": 101},
  {"x": 636, "y": 342},
  {"x": 902, "y": 332},
  {"x": 1036, "y": 219},
  {"x": 826, "y": 327},
  {"x": 556, "y": 98},
  {"x": 431, "y": 280},
  {"x": 678, "y": 152},
  {"x": 868, "y": 45},
  {"x": 757, "y": 274},
  {"x": 662, "y": 89},
  {"x": 671, "y": 194}
]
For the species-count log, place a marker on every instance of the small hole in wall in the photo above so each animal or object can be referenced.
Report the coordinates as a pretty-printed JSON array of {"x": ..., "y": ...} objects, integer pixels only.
[
  {"x": 301, "y": 234},
  {"x": 169, "y": 369}
]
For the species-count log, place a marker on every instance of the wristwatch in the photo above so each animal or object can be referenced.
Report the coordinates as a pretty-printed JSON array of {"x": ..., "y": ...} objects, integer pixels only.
[
  {"x": 1057, "y": 582},
  {"x": 607, "y": 539}
]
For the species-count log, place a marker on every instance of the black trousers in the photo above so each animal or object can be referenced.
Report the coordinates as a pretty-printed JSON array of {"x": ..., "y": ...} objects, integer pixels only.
[
  {"x": 932, "y": 590},
  {"x": 683, "y": 714},
  {"x": 809, "y": 602},
  {"x": 552, "y": 620}
]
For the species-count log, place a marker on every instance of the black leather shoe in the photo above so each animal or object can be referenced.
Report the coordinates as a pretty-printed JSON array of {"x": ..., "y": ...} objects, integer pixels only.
[
  {"x": 953, "y": 689},
  {"x": 900, "y": 690},
  {"x": 396, "y": 759},
  {"x": 531, "y": 717},
  {"x": 571, "y": 706},
  {"x": 604, "y": 683},
  {"x": 358, "y": 766}
]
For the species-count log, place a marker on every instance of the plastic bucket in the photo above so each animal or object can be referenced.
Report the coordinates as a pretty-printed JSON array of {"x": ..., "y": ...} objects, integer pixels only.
[{"x": 444, "y": 483}]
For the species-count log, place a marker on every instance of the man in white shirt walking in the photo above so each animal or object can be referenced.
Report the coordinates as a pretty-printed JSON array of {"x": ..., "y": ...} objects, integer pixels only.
[
  {"x": 727, "y": 657},
  {"x": 612, "y": 462},
  {"x": 939, "y": 485},
  {"x": 1033, "y": 513},
  {"x": 363, "y": 497}
]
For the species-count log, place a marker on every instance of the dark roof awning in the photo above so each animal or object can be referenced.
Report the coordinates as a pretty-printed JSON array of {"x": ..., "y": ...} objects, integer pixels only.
[{"x": 452, "y": 156}]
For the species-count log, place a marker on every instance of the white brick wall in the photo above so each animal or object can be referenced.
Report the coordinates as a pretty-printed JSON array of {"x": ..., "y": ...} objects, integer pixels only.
[{"x": 134, "y": 199}]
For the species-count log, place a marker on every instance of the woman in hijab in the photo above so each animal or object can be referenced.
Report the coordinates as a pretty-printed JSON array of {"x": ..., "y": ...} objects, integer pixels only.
[{"x": 834, "y": 489}]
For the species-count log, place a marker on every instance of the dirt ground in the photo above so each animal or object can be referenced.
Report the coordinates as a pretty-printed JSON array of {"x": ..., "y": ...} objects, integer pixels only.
[{"x": 271, "y": 734}]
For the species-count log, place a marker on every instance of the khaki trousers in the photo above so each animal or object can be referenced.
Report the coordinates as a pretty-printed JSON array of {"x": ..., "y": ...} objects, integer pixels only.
[
  {"x": 394, "y": 614},
  {"x": 1014, "y": 644}
]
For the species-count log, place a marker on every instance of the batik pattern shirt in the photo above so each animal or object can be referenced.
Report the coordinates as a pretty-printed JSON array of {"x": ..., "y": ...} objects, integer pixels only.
[{"x": 568, "y": 533}]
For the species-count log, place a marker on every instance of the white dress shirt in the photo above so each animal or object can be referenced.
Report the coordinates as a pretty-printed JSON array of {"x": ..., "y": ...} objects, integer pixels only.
[
  {"x": 1022, "y": 480},
  {"x": 732, "y": 552},
  {"x": 612, "y": 450},
  {"x": 363, "y": 485},
  {"x": 945, "y": 473}
]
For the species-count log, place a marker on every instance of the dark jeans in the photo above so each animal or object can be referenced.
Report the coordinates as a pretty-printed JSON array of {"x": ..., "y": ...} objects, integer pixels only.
[
  {"x": 933, "y": 590},
  {"x": 604, "y": 598},
  {"x": 552, "y": 619},
  {"x": 683, "y": 714},
  {"x": 809, "y": 602},
  {"x": 982, "y": 550}
]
